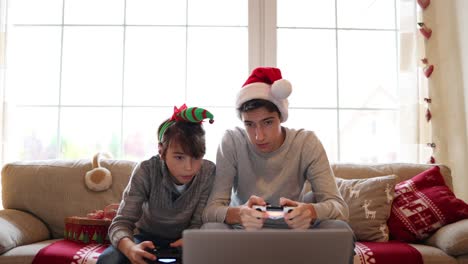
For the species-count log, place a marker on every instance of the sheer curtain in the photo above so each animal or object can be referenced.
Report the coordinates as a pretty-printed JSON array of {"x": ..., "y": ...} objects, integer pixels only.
[
  {"x": 443, "y": 92},
  {"x": 2, "y": 67},
  {"x": 2, "y": 74},
  {"x": 447, "y": 87}
]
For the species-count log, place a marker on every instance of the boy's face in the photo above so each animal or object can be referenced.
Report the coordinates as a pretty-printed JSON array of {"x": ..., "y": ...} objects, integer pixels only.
[
  {"x": 263, "y": 129},
  {"x": 182, "y": 166}
]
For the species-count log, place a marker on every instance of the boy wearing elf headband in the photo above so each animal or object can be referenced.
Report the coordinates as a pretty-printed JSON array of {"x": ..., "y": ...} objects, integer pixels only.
[
  {"x": 166, "y": 194},
  {"x": 266, "y": 163}
]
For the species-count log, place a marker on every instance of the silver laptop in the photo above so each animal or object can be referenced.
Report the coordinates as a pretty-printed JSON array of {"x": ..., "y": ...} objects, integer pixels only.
[{"x": 270, "y": 246}]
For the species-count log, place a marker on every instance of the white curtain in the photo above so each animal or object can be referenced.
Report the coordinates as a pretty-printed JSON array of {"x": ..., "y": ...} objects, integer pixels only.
[
  {"x": 2, "y": 69},
  {"x": 447, "y": 87}
]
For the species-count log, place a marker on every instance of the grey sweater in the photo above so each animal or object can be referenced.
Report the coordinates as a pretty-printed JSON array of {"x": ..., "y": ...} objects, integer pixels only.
[
  {"x": 242, "y": 171},
  {"x": 151, "y": 202}
]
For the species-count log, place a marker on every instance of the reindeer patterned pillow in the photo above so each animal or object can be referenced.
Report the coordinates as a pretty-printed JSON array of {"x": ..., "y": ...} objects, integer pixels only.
[
  {"x": 422, "y": 205},
  {"x": 369, "y": 201}
]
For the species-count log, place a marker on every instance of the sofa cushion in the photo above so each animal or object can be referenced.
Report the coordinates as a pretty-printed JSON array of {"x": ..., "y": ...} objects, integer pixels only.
[
  {"x": 433, "y": 255},
  {"x": 422, "y": 205},
  {"x": 369, "y": 201},
  {"x": 24, "y": 254},
  {"x": 20, "y": 228},
  {"x": 55, "y": 189},
  {"x": 452, "y": 238}
]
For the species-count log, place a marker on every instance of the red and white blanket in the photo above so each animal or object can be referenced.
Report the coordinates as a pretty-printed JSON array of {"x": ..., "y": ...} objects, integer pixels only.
[
  {"x": 386, "y": 253},
  {"x": 70, "y": 252}
]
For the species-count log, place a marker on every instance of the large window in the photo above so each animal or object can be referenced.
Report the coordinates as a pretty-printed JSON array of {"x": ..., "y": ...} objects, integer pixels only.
[{"x": 100, "y": 75}]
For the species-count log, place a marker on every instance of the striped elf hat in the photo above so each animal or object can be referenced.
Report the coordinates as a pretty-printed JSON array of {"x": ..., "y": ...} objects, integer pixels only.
[{"x": 184, "y": 114}]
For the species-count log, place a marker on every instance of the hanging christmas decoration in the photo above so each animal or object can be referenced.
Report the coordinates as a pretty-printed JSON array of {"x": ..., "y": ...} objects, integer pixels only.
[
  {"x": 428, "y": 115},
  {"x": 424, "y": 3},
  {"x": 425, "y": 31},
  {"x": 428, "y": 69},
  {"x": 433, "y": 146},
  {"x": 428, "y": 111}
]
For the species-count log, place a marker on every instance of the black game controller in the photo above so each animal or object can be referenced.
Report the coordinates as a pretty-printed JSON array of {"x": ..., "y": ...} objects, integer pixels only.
[
  {"x": 166, "y": 255},
  {"x": 274, "y": 212}
]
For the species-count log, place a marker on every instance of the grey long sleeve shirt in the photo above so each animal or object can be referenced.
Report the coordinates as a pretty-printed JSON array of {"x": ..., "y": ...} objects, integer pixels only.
[
  {"x": 151, "y": 202},
  {"x": 242, "y": 171}
]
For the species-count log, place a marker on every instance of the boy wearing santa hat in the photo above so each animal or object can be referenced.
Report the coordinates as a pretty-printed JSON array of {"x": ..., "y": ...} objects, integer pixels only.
[{"x": 267, "y": 163}]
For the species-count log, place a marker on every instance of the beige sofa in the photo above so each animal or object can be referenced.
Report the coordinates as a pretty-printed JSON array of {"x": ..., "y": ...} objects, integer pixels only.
[{"x": 38, "y": 195}]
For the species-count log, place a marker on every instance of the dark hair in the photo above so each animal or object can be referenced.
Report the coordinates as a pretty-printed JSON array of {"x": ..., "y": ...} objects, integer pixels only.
[
  {"x": 258, "y": 103},
  {"x": 190, "y": 137}
]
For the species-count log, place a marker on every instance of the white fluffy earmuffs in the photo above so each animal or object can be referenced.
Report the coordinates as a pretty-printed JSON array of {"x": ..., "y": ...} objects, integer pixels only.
[{"x": 99, "y": 178}]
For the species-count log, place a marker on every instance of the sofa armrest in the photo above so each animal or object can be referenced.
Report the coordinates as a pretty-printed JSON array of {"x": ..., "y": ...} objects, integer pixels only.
[
  {"x": 452, "y": 238},
  {"x": 19, "y": 228}
]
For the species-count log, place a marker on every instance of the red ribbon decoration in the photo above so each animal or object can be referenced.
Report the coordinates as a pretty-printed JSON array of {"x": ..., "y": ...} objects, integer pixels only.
[{"x": 175, "y": 115}]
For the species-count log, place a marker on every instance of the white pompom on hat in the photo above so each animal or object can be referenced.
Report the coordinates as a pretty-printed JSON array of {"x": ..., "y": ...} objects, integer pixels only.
[{"x": 268, "y": 84}]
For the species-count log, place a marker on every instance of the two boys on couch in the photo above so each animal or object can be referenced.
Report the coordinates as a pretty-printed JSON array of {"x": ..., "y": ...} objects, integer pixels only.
[{"x": 168, "y": 193}]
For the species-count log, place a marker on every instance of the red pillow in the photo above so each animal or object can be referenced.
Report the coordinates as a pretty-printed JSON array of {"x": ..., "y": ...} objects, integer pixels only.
[{"x": 422, "y": 205}]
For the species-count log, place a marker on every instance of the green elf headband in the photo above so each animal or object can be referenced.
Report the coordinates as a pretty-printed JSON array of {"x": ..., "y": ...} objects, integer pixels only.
[{"x": 184, "y": 114}]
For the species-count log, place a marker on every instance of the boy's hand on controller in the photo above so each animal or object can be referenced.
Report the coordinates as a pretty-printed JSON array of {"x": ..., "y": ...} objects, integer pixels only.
[
  {"x": 177, "y": 243},
  {"x": 138, "y": 253},
  {"x": 251, "y": 218},
  {"x": 301, "y": 217}
]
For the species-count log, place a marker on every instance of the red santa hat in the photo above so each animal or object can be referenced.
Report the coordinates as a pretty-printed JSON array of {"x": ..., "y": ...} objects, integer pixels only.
[{"x": 268, "y": 84}]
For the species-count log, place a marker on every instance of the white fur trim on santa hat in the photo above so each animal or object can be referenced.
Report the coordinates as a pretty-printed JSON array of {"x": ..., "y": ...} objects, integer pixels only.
[{"x": 259, "y": 90}]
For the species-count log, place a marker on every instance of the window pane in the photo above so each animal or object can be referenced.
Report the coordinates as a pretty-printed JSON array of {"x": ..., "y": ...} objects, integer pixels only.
[
  {"x": 322, "y": 122},
  {"x": 140, "y": 134},
  {"x": 306, "y": 13},
  {"x": 156, "y": 12},
  {"x": 367, "y": 69},
  {"x": 155, "y": 65},
  {"x": 217, "y": 64},
  {"x": 369, "y": 136},
  {"x": 221, "y": 12},
  {"x": 94, "y": 11},
  {"x": 35, "y": 12},
  {"x": 307, "y": 59},
  {"x": 34, "y": 65},
  {"x": 92, "y": 66},
  {"x": 31, "y": 133},
  {"x": 85, "y": 131},
  {"x": 379, "y": 14},
  {"x": 224, "y": 118}
]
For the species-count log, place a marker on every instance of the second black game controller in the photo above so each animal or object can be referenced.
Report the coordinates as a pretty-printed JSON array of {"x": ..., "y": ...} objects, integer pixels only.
[{"x": 166, "y": 255}]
